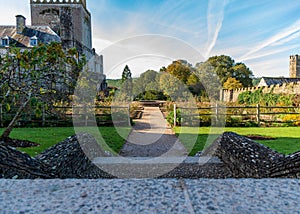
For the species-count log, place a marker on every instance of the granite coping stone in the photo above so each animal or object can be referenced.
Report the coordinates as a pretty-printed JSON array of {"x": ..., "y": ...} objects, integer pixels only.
[{"x": 150, "y": 196}]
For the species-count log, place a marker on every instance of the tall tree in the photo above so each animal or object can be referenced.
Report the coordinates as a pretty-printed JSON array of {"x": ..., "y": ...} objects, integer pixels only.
[
  {"x": 225, "y": 67},
  {"x": 126, "y": 74},
  {"x": 127, "y": 84}
]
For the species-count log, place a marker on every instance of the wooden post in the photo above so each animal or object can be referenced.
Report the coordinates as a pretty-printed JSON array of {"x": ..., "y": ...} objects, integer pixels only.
[
  {"x": 85, "y": 116},
  {"x": 258, "y": 114},
  {"x": 129, "y": 114},
  {"x": 1, "y": 115},
  {"x": 43, "y": 115},
  {"x": 175, "y": 115},
  {"x": 217, "y": 113}
]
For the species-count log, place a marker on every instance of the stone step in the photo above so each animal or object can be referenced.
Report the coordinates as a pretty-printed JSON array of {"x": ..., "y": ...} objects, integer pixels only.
[
  {"x": 163, "y": 167},
  {"x": 156, "y": 160}
]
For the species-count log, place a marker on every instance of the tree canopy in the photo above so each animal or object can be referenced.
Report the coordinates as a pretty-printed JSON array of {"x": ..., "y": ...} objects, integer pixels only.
[
  {"x": 203, "y": 80},
  {"x": 225, "y": 67},
  {"x": 232, "y": 83}
]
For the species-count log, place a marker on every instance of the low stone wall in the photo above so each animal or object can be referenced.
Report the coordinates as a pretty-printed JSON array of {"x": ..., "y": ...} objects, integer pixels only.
[
  {"x": 248, "y": 159},
  {"x": 14, "y": 164},
  {"x": 239, "y": 157}
]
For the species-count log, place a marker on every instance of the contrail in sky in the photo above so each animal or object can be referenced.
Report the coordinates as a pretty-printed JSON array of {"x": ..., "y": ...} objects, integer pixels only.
[
  {"x": 215, "y": 17},
  {"x": 283, "y": 36}
]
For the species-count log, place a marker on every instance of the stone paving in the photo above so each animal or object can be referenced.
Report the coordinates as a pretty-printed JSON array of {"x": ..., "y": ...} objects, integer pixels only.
[
  {"x": 150, "y": 196},
  {"x": 152, "y": 137}
]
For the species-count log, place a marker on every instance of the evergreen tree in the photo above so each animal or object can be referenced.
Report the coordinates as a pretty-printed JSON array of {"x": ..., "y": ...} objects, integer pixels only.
[
  {"x": 126, "y": 83},
  {"x": 126, "y": 75}
]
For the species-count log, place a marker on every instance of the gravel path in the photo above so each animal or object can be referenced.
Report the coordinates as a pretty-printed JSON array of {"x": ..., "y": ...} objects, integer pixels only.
[
  {"x": 152, "y": 137},
  {"x": 150, "y": 196}
]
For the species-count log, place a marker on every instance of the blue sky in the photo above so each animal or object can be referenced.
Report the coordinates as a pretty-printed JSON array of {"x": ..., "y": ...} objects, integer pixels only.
[{"x": 262, "y": 34}]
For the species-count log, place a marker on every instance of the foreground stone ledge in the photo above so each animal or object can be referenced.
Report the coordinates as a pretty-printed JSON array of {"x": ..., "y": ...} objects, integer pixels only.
[{"x": 150, "y": 196}]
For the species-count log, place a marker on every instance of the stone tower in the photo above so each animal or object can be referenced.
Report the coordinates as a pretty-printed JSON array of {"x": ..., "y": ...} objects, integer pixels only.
[
  {"x": 294, "y": 66},
  {"x": 70, "y": 19}
]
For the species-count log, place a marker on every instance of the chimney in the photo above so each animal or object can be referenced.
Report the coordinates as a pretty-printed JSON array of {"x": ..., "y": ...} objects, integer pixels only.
[{"x": 21, "y": 23}]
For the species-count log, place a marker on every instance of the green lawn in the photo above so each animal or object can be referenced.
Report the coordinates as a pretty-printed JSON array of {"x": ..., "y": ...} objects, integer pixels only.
[
  {"x": 112, "y": 140},
  {"x": 287, "y": 142}
]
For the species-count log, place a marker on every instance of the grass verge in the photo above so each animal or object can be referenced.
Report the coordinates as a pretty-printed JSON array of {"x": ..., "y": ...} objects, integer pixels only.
[
  {"x": 112, "y": 139},
  {"x": 287, "y": 138}
]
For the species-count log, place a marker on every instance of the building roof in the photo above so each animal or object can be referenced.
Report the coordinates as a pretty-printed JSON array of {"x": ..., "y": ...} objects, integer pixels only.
[
  {"x": 267, "y": 81},
  {"x": 43, "y": 34}
]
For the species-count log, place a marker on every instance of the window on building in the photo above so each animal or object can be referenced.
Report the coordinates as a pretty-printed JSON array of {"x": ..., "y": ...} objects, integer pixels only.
[
  {"x": 33, "y": 41},
  {"x": 5, "y": 41}
]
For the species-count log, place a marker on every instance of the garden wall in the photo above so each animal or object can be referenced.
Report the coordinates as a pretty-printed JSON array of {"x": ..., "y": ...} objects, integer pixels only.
[{"x": 285, "y": 88}]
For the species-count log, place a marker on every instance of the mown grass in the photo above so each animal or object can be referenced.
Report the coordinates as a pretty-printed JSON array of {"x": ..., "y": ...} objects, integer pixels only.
[
  {"x": 195, "y": 139},
  {"x": 110, "y": 139},
  {"x": 287, "y": 138}
]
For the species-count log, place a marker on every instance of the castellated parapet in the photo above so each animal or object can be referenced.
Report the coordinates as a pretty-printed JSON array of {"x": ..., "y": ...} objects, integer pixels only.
[
  {"x": 60, "y": 1},
  {"x": 285, "y": 88}
]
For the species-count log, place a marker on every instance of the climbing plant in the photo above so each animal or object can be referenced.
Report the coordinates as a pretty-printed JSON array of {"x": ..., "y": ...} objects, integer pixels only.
[{"x": 266, "y": 99}]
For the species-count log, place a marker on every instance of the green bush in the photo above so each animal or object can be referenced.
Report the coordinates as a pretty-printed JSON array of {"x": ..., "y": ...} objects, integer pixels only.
[
  {"x": 205, "y": 121},
  {"x": 233, "y": 121},
  {"x": 251, "y": 124},
  {"x": 170, "y": 118}
]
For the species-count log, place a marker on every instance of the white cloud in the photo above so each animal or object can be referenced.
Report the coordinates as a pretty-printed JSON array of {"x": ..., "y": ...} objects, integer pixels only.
[
  {"x": 275, "y": 67},
  {"x": 147, "y": 47},
  {"x": 272, "y": 52},
  {"x": 100, "y": 44},
  {"x": 139, "y": 65}
]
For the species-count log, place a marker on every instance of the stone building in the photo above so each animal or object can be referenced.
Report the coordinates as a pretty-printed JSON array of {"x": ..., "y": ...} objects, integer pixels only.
[
  {"x": 24, "y": 36},
  {"x": 65, "y": 21},
  {"x": 294, "y": 66},
  {"x": 268, "y": 81},
  {"x": 276, "y": 85},
  {"x": 69, "y": 19}
]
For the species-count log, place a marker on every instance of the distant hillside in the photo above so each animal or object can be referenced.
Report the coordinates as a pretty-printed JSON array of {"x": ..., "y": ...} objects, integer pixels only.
[{"x": 114, "y": 82}]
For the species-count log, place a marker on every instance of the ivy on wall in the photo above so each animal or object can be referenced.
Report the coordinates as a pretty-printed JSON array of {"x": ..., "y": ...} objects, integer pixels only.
[{"x": 266, "y": 99}]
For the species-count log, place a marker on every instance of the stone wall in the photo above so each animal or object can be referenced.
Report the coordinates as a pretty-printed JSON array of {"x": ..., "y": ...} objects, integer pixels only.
[
  {"x": 240, "y": 158},
  {"x": 286, "y": 88}
]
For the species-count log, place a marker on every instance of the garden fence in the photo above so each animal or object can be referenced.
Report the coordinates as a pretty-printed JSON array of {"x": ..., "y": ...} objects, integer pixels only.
[
  {"x": 63, "y": 116},
  {"x": 256, "y": 114}
]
